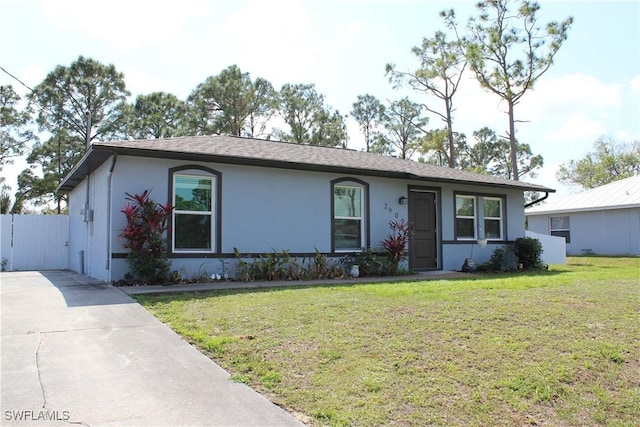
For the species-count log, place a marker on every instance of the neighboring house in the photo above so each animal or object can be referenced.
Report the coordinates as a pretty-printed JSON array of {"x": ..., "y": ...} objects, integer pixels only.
[
  {"x": 260, "y": 196},
  {"x": 604, "y": 220}
]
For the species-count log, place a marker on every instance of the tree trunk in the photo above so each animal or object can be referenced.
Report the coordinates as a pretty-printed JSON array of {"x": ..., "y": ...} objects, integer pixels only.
[
  {"x": 452, "y": 154},
  {"x": 367, "y": 139},
  {"x": 512, "y": 142}
]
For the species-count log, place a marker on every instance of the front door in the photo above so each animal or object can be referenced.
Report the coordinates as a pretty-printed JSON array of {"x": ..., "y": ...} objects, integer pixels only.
[{"x": 423, "y": 240}]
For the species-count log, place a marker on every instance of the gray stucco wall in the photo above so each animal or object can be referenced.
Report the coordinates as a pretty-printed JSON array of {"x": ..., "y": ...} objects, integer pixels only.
[
  {"x": 604, "y": 232},
  {"x": 77, "y": 229},
  {"x": 88, "y": 240},
  {"x": 265, "y": 209}
]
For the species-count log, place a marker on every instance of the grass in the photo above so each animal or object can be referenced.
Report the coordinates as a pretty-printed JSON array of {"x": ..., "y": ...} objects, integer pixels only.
[{"x": 555, "y": 348}]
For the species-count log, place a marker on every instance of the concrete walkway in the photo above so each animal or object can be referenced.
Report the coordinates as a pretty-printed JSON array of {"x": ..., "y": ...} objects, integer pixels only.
[
  {"x": 76, "y": 351},
  {"x": 199, "y": 287}
]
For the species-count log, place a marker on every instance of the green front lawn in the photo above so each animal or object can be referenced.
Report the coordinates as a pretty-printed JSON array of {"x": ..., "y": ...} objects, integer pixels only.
[{"x": 555, "y": 348}]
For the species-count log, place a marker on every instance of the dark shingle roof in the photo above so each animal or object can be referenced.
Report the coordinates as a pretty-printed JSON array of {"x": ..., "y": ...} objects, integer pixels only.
[{"x": 259, "y": 152}]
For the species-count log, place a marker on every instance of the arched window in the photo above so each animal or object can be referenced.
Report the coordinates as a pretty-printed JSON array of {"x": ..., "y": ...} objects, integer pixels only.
[
  {"x": 350, "y": 215},
  {"x": 195, "y": 195}
]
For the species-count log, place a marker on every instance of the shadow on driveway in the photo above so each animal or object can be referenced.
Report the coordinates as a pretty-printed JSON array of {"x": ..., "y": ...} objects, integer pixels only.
[
  {"x": 80, "y": 291},
  {"x": 77, "y": 351}
]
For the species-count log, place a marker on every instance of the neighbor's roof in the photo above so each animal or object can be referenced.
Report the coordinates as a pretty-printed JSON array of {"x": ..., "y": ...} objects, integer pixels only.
[
  {"x": 259, "y": 152},
  {"x": 624, "y": 193}
]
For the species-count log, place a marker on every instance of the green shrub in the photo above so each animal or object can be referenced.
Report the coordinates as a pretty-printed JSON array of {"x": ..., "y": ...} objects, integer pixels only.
[
  {"x": 280, "y": 265},
  {"x": 371, "y": 262},
  {"x": 528, "y": 251},
  {"x": 319, "y": 267},
  {"x": 502, "y": 259},
  {"x": 271, "y": 266}
]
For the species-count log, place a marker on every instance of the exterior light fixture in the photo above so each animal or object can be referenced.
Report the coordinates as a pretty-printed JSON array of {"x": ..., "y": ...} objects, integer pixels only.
[{"x": 402, "y": 200}]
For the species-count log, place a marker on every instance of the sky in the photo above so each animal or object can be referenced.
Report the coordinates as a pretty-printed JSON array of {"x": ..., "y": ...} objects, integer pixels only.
[{"x": 341, "y": 46}]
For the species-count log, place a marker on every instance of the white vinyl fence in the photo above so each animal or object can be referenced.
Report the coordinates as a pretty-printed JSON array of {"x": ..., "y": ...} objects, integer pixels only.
[
  {"x": 554, "y": 248},
  {"x": 34, "y": 242}
]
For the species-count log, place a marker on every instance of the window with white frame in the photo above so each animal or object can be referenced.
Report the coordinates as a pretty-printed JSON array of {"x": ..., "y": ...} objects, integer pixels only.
[
  {"x": 348, "y": 217},
  {"x": 466, "y": 217},
  {"x": 492, "y": 218},
  {"x": 194, "y": 214},
  {"x": 559, "y": 226},
  {"x": 479, "y": 217}
]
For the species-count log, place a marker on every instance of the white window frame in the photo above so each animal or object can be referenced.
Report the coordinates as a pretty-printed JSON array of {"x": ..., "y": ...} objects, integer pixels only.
[
  {"x": 361, "y": 218},
  {"x": 492, "y": 218},
  {"x": 474, "y": 217},
  {"x": 211, "y": 213},
  {"x": 567, "y": 238}
]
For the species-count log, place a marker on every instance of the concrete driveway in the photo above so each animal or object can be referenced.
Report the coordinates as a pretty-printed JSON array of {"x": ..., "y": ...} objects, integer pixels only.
[{"x": 76, "y": 351}]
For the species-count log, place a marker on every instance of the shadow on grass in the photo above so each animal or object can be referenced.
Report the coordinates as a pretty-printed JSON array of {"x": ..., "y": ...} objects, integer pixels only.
[
  {"x": 264, "y": 287},
  {"x": 601, "y": 256}
]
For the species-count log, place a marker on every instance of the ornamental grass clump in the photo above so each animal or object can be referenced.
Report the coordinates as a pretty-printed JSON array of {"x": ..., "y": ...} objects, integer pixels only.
[{"x": 144, "y": 236}]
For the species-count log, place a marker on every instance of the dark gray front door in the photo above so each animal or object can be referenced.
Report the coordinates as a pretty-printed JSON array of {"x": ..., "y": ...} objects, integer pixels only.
[{"x": 423, "y": 242}]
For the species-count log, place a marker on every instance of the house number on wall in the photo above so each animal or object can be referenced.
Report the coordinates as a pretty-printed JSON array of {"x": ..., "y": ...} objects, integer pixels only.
[{"x": 390, "y": 210}]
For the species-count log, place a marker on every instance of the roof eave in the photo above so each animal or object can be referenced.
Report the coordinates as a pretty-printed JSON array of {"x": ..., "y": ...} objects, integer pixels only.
[
  {"x": 589, "y": 209},
  {"x": 98, "y": 154},
  {"x": 89, "y": 162}
]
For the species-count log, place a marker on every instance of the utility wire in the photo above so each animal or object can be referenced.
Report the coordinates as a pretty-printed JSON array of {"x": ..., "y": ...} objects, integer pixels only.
[
  {"x": 15, "y": 78},
  {"x": 37, "y": 101},
  {"x": 46, "y": 110}
]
